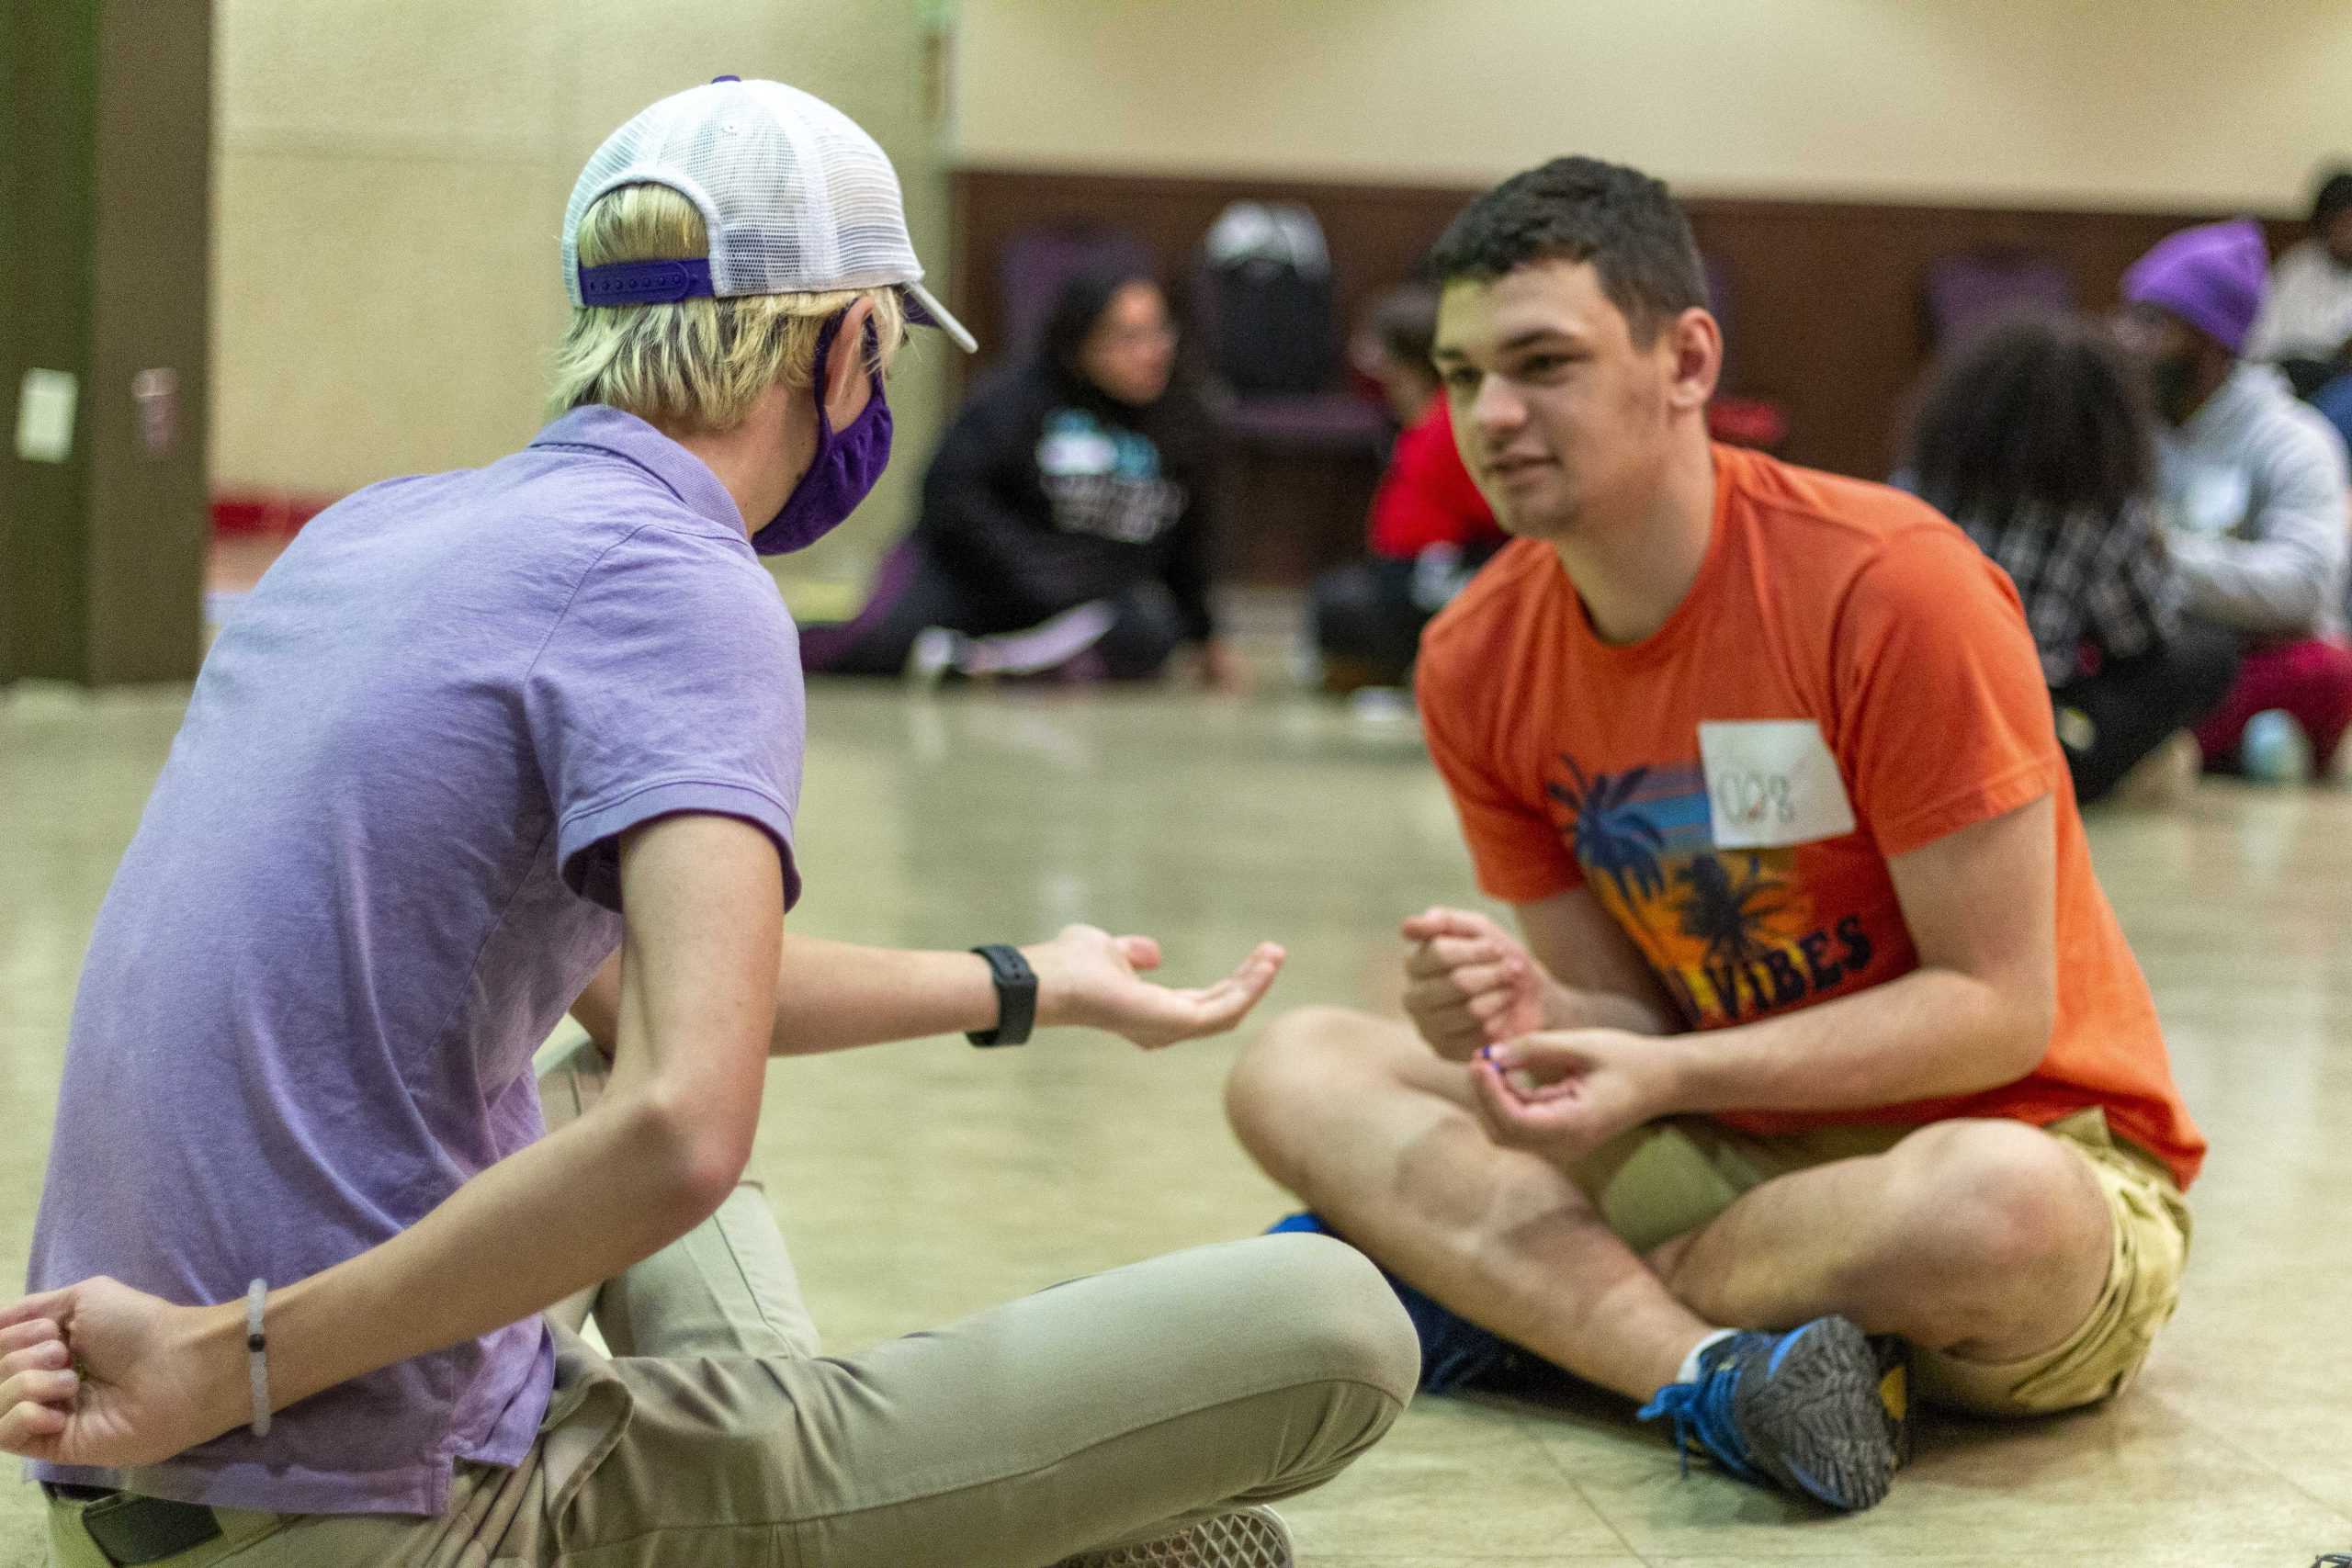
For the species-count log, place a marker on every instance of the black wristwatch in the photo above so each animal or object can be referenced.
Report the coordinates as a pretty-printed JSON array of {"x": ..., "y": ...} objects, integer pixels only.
[{"x": 1016, "y": 997}]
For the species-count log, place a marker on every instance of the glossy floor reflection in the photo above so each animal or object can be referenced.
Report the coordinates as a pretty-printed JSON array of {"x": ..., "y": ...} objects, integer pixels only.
[{"x": 922, "y": 1180}]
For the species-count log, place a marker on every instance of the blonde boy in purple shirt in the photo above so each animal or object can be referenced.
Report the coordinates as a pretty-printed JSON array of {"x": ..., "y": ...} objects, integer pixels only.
[{"x": 489, "y": 744}]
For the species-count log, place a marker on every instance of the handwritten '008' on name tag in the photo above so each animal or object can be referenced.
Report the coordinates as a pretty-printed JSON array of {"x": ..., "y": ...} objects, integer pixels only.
[{"x": 1771, "y": 783}]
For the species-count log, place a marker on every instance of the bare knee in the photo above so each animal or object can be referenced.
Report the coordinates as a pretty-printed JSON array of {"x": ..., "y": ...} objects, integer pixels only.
[
  {"x": 1302, "y": 1040},
  {"x": 2007, "y": 1204},
  {"x": 1285, "y": 1072}
]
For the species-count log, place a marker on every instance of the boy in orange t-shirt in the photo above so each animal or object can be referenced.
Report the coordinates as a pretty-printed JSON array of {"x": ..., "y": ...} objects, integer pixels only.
[{"x": 1824, "y": 1053}]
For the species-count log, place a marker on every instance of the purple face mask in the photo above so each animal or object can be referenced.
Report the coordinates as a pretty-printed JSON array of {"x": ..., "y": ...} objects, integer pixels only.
[{"x": 844, "y": 468}]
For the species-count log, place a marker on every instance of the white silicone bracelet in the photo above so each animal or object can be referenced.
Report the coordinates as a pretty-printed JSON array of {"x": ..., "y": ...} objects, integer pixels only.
[{"x": 257, "y": 1355}]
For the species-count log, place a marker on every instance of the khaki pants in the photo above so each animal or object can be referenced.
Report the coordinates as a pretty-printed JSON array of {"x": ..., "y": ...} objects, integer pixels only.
[
  {"x": 1098, "y": 1411},
  {"x": 1670, "y": 1177}
]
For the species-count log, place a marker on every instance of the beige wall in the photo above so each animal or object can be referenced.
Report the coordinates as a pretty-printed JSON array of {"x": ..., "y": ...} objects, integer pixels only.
[
  {"x": 390, "y": 189},
  {"x": 2109, "y": 104},
  {"x": 391, "y": 176}
]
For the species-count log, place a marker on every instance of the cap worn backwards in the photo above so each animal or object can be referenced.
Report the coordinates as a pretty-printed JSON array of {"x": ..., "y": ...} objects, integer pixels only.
[{"x": 795, "y": 196}]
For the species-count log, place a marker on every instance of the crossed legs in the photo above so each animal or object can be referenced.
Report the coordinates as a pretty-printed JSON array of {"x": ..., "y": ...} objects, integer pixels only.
[{"x": 1988, "y": 1240}]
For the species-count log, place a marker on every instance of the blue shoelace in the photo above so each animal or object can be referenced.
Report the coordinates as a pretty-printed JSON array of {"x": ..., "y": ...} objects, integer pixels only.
[{"x": 1702, "y": 1409}]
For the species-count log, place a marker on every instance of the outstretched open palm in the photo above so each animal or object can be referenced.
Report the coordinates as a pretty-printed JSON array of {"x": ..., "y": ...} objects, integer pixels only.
[{"x": 1089, "y": 978}]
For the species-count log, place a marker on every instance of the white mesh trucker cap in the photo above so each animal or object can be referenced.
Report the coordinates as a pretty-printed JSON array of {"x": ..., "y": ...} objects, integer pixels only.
[{"x": 795, "y": 196}]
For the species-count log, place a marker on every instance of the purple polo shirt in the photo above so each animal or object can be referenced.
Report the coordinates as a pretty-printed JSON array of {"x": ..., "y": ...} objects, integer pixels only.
[{"x": 380, "y": 863}]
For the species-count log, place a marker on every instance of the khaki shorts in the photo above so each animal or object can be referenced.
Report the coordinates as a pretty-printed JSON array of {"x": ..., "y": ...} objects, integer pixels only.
[{"x": 1673, "y": 1176}]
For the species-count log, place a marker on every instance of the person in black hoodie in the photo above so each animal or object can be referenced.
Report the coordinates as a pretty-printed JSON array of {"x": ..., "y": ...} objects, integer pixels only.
[{"x": 1063, "y": 527}]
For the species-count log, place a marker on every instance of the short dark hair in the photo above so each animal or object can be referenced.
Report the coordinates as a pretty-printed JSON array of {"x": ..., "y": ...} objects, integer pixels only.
[
  {"x": 1582, "y": 210},
  {"x": 2035, "y": 412},
  {"x": 2335, "y": 197}
]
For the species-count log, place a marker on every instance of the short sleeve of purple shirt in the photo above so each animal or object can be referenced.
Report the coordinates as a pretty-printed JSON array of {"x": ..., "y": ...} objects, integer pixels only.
[{"x": 670, "y": 684}]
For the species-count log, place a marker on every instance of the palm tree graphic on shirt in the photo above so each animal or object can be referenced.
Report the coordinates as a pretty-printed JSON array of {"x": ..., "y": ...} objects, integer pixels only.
[
  {"x": 1612, "y": 839},
  {"x": 1730, "y": 914},
  {"x": 1708, "y": 922}
]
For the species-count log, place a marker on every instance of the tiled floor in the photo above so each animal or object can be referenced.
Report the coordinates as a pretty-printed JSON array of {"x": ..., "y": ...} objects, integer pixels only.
[{"x": 920, "y": 1181}]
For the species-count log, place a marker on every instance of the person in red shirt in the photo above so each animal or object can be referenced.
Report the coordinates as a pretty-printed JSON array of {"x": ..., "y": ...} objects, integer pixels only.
[
  {"x": 1430, "y": 528},
  {"x": 1819, "y": 1054}
]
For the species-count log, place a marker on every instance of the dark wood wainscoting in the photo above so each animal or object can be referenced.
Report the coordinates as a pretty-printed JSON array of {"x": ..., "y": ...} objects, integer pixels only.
[{"x": 1825, "y": 311}]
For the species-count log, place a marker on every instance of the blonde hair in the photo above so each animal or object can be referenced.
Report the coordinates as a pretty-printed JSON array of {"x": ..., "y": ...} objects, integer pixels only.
[{"x": 692, "y": 365}]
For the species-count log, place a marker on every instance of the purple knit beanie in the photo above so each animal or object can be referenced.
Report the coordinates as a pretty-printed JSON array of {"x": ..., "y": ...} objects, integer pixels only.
[{"x": 2211, "y": 277}]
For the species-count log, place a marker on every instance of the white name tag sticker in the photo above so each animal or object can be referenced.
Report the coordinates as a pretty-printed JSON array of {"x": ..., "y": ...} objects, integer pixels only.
[{"x": 1772, "y": 783}]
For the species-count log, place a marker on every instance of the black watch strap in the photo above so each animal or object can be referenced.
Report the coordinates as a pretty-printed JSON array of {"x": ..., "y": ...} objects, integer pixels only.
[{"x": 1016, "y": 997}]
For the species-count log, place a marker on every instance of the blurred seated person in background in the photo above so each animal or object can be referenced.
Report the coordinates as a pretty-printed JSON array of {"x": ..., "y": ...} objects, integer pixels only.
[
  {"x": 1430, "y": 528},
  {"x": 2252, "y": 484},
  {"x": 2036, "y": 436},
  {"x": 1063, "y": 529},
  {"x": 2307, "y": 320}
]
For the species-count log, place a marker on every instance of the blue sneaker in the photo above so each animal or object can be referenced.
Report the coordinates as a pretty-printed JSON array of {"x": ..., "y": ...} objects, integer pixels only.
[
  {"x": 1454, "y": 1351},
  {"x": 1306, "y": 1221},
  {"x": 1801, "y": 1410}
]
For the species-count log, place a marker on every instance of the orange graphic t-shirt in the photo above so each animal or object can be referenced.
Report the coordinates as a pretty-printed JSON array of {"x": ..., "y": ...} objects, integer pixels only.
[{"x": 1848, "y": 679}]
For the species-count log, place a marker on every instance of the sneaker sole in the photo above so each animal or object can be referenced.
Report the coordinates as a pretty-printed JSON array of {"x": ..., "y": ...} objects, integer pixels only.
[
  {"x": 1820, "y": 1400},
  {"x": 1246, "y": 1537}
]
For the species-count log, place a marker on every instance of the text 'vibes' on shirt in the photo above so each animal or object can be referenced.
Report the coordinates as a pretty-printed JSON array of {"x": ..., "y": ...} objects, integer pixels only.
[{"x": 1733, "y": 933}]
